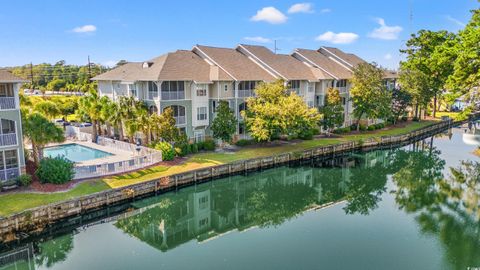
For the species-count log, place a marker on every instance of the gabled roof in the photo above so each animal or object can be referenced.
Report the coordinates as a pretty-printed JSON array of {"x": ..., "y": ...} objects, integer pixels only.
[
  {"x": 235, "y": 64},
  {"x": 176, "y": 66},
  {"x": 348, "y": 58},
  {"x": 326, "y": 64},
  {"x": 7, "y": 77},
  {"x": 286, "y": 66}
]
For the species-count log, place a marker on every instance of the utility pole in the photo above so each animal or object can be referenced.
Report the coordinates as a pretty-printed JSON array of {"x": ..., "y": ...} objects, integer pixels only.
[
  {"x": 31, "y": 76},
  {"x": 275, "y": 48},
  {"x": 89, "y": 69}
]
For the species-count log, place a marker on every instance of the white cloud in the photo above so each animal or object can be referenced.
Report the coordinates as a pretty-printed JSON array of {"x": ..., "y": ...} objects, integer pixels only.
[
  {"x": 89, "y": 28},
  {"x": 337, "y": 38},
  {"x": 387, "y": 56},
  {"x": 301, "y": 8},
  {"x": 384, "y": 31},
  {"x": 325, "y": 10},
  {"x": 455, "y": 21},
  {"x": 270, "y": 15},
  {"x": 258, "y": 39}
]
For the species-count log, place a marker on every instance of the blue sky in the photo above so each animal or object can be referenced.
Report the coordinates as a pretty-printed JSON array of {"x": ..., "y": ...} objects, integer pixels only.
[{"x": 48, "y": 30}]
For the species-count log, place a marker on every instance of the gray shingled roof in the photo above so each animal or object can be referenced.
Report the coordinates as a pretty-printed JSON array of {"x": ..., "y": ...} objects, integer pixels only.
[
  {"x": 236, "y": 64},
  {"x": 7, "y": 77},
  {"x": 286, "y": 65},
  {"x": 177, "y": 66},
  {"x": 323, "y": 62}
]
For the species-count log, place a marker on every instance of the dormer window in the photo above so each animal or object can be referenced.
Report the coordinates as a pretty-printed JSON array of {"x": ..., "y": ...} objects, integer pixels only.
[{"x": 147, "y": 64}]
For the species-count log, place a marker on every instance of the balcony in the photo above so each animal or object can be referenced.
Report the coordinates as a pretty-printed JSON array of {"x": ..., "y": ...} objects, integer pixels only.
[
  {"x": 152, "y": 95},
  {"x": 180, "y": 120},
  {"x": 9, "y": 174},
  {"x": 245, "y": 93},
  {"x": 173, "y": 95},
  {"x": 342, "y": 89},
  {"x": 8, "y": 139},
  {"x": 7, "y": 103}
]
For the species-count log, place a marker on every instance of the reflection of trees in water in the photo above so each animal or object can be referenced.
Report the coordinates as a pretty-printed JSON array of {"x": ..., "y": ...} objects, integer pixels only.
[
  {"x": 445, "y": 207},
  {"x": 274, "y": 202},
  {"x": 54, "y": 251}
]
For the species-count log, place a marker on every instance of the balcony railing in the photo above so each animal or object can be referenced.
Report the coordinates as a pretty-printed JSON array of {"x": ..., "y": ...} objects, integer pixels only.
[
  {"x": 245, "y": 93},
  {"x": 9, "y": 174},
  {"x": 8, "y": 139},
  {"x": 152, "y": 95},
  {"x": 7, "y": 103},
  {"x": 180, "y": 120},
  {"x": 342, "y": 89},
  {"x": 173, "y": 95}
]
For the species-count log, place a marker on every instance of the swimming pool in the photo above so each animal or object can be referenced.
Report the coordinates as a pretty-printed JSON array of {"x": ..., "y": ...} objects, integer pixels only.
[{"x": 74, "y": 152}]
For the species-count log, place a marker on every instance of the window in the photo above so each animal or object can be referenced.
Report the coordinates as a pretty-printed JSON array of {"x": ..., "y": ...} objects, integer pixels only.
[
  {"x": 11, "y": 160},
  {"x": 152, "y": 90},
  {"x": 203, "y": 222},
  {"x": 247, "y": 85},
  {"x": 294, "y": 84},
  {"x": 6, "y": 90},
  {"x": 242, "y": 107},
  {"x": 241, "y": 129},
  {"x": 311, "y": 87},
  {"x": 133, "y": 90},
  {"x": 7, "y": 126},
  {"x": 201, "y": 92},
  {"x": 203, "y": 202},
  {"x": 344, "y": 101},
  {"x": 214, "y": 106},
  {"x": 341, "y": 83},
  {"x": 201, "y": 113},
  {"x": 172, "y": 90},
  {"x": 310, "y": 104},
  {"x": 225, "y": 87},
  {"x": 178, "y": 114}
]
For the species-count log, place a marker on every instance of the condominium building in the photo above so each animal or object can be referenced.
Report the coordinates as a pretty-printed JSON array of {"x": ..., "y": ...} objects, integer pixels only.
[
  {"x": 193, "y": 82},
  {"x": 12, "y": 160}
]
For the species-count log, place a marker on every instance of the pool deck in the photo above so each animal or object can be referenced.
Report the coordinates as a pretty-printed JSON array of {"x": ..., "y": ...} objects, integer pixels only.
[{"x": 118, "y": 155}]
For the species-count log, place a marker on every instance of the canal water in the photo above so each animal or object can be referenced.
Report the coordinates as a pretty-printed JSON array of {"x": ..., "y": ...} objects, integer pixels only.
[{"x": 416, "y": 207}]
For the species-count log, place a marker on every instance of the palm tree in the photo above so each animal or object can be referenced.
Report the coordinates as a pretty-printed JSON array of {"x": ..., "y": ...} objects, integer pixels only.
[
  {"x": 90, "y": 105},
  {"x": 40, "y": 131},
  {"x": 145, "y": 123},
  {"x": 115, "y": 116},
  {"x": 48, "y": 109}
]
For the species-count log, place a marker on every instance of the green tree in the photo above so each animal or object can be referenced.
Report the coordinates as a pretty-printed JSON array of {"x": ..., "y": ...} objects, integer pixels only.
[
  {"x": 90, "y": 106},
  {"x": 274, "y": 112},
  {"x": 166, "y": 128},
  {"x": 466, "y": 73},
  {"x": 224, "y": 124},
  {"x": 57, "y": 85},
  {"x": 401, "y": 99},
  {"x": 415, "y": 83},
  {"x": 369, "y": 95},
  {"x": 429, "y": 53},
  {"x": 40, "y": 132},
  {"x": 332, "y": 111},
  {"x": 48, "y": 109}
]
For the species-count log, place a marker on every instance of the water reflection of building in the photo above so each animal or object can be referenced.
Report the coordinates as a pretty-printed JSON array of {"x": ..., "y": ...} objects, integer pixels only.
[
  {"x": 472, "y": 136},
  {"x": 19, "y": 258},
  {"x": 239, "y": 203}
]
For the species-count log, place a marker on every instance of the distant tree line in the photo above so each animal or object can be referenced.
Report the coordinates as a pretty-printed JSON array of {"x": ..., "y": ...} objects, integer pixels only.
[{"x": 59, "y": 76}]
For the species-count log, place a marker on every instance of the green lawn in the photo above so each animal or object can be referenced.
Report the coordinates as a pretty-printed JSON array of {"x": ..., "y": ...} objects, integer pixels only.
[
  {"x": 16, "y": 202},
  {"x": 388, "y": 132}
]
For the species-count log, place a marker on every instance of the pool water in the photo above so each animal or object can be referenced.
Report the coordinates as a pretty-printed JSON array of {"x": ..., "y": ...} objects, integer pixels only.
[{"x": 74, "y": 152}]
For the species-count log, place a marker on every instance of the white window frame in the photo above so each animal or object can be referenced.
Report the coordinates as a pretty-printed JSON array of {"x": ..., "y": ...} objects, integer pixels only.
[{"x": 203, "y": 114}]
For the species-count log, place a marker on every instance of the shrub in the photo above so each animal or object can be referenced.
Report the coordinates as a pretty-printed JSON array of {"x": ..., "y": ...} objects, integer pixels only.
[
  {"x": 168, "y": 153},
  {"x": 315, "y": 131},
  {"x": 404, "y": 118},
  {"x": 57, "y": 170},
  {"x": 372, "y": 127},
  {"x": 244, "y": 142},
  {"x": 416, "y": 119},
  {"x": 363, "y": 127},
  {"x": 24, "y": 180},
  {"x": 183, "y": 149},
  {"x": 201, "y": 146},
  {"x": 194, "y": 148},
  {"x": 342, "y": 130},
  {"x": 209, "y": 145},
  {"x": 380, "y": 125},
  {"x": 307, "y": 135}
]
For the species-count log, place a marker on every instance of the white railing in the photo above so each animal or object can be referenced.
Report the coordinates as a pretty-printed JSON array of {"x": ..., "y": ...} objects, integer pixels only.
[
  {"x": 245, "y": 93},
  {"x": 146, "y": 157},
  {"x": 152, "y": 95},
  {"x": 105, "y": 169},
  {"x": 9, "y": 174},
  {"x": 173, "y": 95},
  {"x": 7, "y": 103},
  {"x": 180, "y": 120},
  {"x": 8, "y": 139}
]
